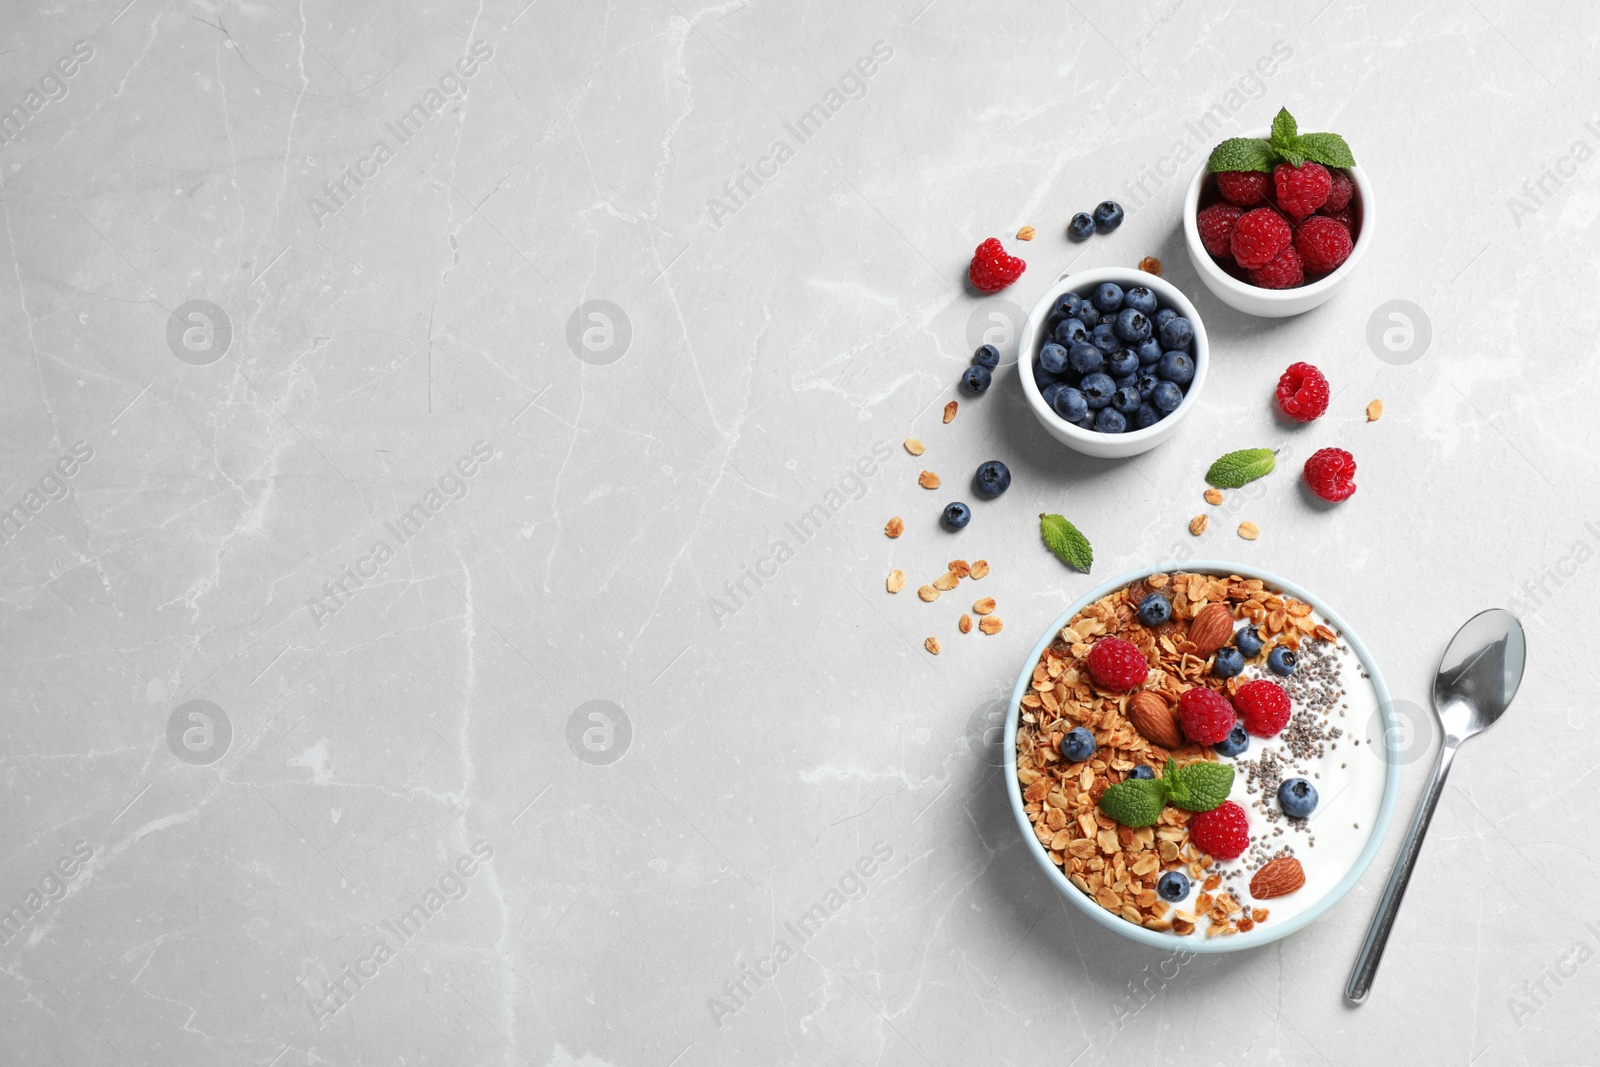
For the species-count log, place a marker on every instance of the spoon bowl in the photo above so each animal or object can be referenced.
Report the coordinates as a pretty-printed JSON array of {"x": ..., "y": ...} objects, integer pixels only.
[{"x": 1479, "y": 674}]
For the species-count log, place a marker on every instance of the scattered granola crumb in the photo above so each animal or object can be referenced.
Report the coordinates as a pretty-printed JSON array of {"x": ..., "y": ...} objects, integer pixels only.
[
  {"x": 896, "y": 581},
  {"x": 980, "y": 568},
  {"x": 1249, "y": 530},
  {"x": 928, "y": 594},
  {"x": 1374, "y": 410},
  {"x": 895, "y": 527},
  {"x": 1197, "y": 525},
  {"x": 990, "y": 624},
  {"x": 928, "y": 480},
  {"x": 1026, "y": 233},
  {"x": 950, "y": 410},
  {"x": 1150, "y": 265},
  {"x": 915, "y": 447},
  {"x": 932, "y": 645},
  {"x": 1213, "y": 496},
  {"x": 984, "y": 606},
  {"x": 965, "y": 625}
]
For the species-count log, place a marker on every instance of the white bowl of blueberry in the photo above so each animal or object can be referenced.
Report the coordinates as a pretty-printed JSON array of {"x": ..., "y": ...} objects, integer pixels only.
[{"x": 1115, "y": 360}]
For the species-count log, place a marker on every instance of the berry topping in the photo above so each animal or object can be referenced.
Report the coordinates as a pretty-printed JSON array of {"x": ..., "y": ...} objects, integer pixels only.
[
  {"x": 1228, "y": 663},
  {"x": 1301, "y": 190},
  {"x": 1235, "y": 743},
  {"x": 1077, "y": 744},
  {"x": 1223, "y": 832},
  {"x": 1248, "y": 641},
  {"x": 1302, "y": 392},
  {"x": 1284, "y": 271},
  {"x": 992, "y": 269},
  {"x": 1154, "y": 609},
  {"x": 1323, "y": 243},
  {"x": 1264, "y": 705},
  {"x": 1246, "y": 188},
  {"x": 1258, "y": 237},
  {"x": 1330, "y": 473},
  {"x": 1142, "y": 771},
  {"x": 1173, "y": 886},
  {"x": 1205, "y": 714},
  {"x": 1281, "y": 660},
  {"x": 1115, "y": 664},
  {"x": 1297, "y": 797}
]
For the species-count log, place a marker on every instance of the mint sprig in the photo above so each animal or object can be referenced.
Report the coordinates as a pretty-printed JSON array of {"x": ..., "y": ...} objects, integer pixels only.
[
  {"x": 1241, "y": 467},
  {"x": 1198, "y": 786},
  {"x": 1064, "y": 539},
  {"x": 1285, "y": 144}
]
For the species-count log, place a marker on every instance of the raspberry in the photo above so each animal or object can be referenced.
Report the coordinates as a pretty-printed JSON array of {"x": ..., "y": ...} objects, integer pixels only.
[
  {"x": 1323, "y": 244},
  {"x": 1329, "y": 472},
  {"x": 1345, "y": 218},
  {"x": 1303, "y": 189},
  {"x": 1115, "y": 664},
  {"x": 992, "y": 269},
  {"x": 1284, "y": 271},
  {"x": 1264, "y": 704},
  {"x": 1206, "y": 715},
  {"x": 1303, "y": 392},
  {"x": 1222, "y": 833},
  {"x": 1246, "y": 188},
  {"x": 1258, "y": 236},
  {"x": 1216, "y": 225},
  {"x": 1339, "y": 194}
]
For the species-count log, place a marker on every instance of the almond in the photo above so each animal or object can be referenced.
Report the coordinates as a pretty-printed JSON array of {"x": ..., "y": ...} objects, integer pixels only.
[
  {"x": 1278, "y": 878},
  {"x": 1154, "y": 718},
  {"x": 1211, "y": 629}
]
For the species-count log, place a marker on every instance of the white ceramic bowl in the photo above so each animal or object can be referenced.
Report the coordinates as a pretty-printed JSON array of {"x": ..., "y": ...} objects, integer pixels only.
[
  {"x": 1273, "y": 303},
  {"x": 1109, "y": 445},
  {"x": 1263, "y": 934}
]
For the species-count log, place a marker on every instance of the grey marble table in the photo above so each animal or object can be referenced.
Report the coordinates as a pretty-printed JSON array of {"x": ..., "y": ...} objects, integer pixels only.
[{"x": 445, "y": 461}]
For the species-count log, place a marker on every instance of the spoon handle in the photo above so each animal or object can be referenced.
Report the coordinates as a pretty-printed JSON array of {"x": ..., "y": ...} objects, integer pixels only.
[{"x": 1366, "y": 967}]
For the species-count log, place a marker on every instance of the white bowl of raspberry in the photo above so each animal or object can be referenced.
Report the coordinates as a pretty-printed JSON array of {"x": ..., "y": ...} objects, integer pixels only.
[{"x": 1238, "y": 287}]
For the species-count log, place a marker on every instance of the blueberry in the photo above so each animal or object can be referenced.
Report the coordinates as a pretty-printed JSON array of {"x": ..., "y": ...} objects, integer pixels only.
[
  {"x": 1104, "y": 337},
  {"x": 1146, "y": 417},
  {"x": 1164, "y": 316},
  {"x": 1097, "y": 389},
  {"x": 1281, "y": 660},
  {"x": 1147, "y": 383},
  {"x": 1043, "y": 378},
  {"x": 1070, "y": 404},
  {"x": 1110, "y": 420},
  {"x": 1248, "y": 641},
  {"x": 1125, "y": 400},
  {"x": 1142, "y": 771},
  {"x": 1077, "y": 744},
  {"x": 993, "y": 478},
  {"x": 1070, "y": 332},
  {"x": 1173, "y": 886},
  {"x": 1053, "y": 358},
  {"x": 956, "y": 516},
  {"x": 976, "y": 379},
  {"x": 1081, "y": 227},
  {"x": 1086, "y": 423},
  {"x": 1154, "y": 609},
  {"x": 1127, "y": 381},
  {"x": 1176, "y": 368},
  {"x": 1085, "y": 359},
  {"x": 1107, "y": 297},
  {"x": 1228, "y": 663},
  {"x": 1107, "y": 216},
  {"x": 1236, "y": 742},
  {"x": 1088, "y": 314},
  {"x": 987, "y": 356},
  {"x": 1122, "y": 362},
  {"x": 1177, "y": 334},
  {"x": 1066, "y": 305},
  {"x": 1141, "y": 299},
  {"x": 1166, "y": 397},
  {"x": 1132, "y": 326},
  {"x": 1297, "y": 797},
  {"x": 1149, "y": 352},
  {"x": 1051, "y": 391}
]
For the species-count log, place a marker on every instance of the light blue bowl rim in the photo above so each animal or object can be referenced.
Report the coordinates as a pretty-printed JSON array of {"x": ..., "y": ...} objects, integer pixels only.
[{"x": 1196, "y": 942}]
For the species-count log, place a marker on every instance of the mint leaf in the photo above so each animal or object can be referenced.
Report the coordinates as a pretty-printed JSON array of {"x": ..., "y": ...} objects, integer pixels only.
[
  {"x": 1241, "y": 467},
  {"x": 1241, "y": 153},
  {"x": 1070, "y": 546},
  {"x": 1283, "y": 131},
  {"x": 1292, "y": 154},
  {"x": 1329, "y": 149},
  {"x": 1135, "y": 802},
  {"x": 1204, "y": 785}
]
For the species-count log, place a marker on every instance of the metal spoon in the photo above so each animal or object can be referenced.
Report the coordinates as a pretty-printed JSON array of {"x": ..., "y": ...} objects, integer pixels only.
[{"x": 1477, "y": 678}]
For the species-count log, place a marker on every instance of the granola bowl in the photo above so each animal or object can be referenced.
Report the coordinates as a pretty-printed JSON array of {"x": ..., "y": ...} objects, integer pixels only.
[{"x": 1151, "y": 883}]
